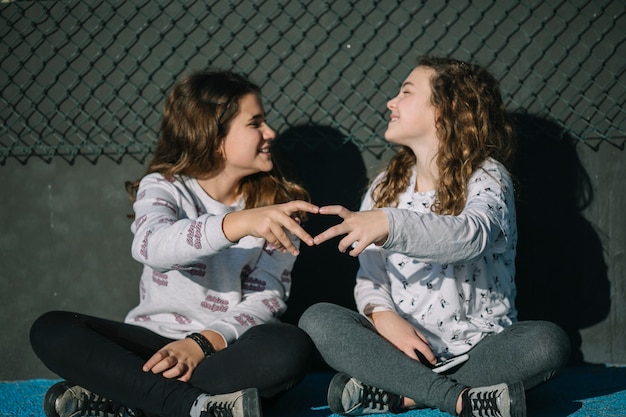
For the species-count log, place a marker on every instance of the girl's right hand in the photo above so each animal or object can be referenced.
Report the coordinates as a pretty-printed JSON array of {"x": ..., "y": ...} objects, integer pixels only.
[
  {"x": 361, "y": 228},
  {"x": 270, "y": 223},
  {"x": 402, "y": 335}
]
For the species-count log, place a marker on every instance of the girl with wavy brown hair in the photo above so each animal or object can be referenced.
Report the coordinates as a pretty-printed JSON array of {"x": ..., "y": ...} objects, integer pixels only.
[
  {"x": 217, "y": 230},
  {"x": 436, "y": 240}
]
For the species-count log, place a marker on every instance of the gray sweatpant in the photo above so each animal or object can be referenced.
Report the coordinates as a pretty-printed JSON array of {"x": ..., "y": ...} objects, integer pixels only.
[{"x": 530, "y": 351}]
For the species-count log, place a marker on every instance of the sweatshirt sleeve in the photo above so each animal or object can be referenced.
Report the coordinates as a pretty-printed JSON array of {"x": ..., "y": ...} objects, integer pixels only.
[
  {"x": 265, "y": 289},
  {"x": 487, "y": 215},
  {"x": 164, "y": 236},
  {"x": 372, "y": 291}
]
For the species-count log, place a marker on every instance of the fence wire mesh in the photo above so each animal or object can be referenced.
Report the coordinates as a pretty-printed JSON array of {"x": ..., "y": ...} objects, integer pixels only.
[{"x": 88, "y": 78}]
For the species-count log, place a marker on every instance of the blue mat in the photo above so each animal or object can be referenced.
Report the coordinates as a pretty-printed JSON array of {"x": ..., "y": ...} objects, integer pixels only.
[{"x": 583, "y": 391}]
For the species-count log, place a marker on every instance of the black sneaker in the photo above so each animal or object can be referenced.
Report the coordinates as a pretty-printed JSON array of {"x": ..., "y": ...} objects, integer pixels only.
[
  {"x": 65, "y": 399},
  {"x": 350, "y": 397},
  {"x": 500, "y": 400},
  {"x": 244, "y": 403}
]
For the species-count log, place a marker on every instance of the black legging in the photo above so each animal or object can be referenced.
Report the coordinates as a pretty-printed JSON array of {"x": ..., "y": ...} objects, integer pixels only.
[{"x": 106, "y": 357}]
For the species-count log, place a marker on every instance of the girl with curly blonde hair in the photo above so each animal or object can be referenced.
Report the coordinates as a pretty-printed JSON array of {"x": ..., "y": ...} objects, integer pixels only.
[{"x": 436, "y": 239}]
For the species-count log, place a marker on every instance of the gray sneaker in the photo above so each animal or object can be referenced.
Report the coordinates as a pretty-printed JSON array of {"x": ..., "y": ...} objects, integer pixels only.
[
  {"x": 244, "y": 403},
  {"x": 65, "y": 399},
  {"x": 500, "y": 400},
  {"x": 350, "y": 397}
]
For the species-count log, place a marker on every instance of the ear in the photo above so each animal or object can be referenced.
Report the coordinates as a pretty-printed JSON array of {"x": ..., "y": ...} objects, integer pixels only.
[{"x": 221, "y": 149}]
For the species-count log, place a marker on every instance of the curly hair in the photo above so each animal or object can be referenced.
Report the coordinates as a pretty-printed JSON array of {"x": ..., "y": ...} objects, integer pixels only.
[
  {"x": 197, "y": 116},
  {"x": 472, "y": 125}
]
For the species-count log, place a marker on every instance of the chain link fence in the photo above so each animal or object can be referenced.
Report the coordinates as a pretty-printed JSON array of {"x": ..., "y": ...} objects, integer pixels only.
[{"x": 88, "y": 78}]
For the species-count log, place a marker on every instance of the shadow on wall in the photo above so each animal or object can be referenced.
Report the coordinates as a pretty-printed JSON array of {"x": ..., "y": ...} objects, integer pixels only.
[
  {"x": 561, "y": 272},
  {"x": 331, "y": 168}
]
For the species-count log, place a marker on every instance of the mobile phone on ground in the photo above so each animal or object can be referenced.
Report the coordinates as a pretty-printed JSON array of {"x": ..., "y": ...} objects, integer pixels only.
[{"x": 444, "y": 365}]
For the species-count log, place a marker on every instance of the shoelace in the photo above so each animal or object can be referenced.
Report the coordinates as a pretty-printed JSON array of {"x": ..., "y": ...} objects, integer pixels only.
[
  {"x": 375, "y": 398},
  {"x": 487, "y": 406},
  {"x": 93, "y": 405},
  {"x": 220, "y": 410}
]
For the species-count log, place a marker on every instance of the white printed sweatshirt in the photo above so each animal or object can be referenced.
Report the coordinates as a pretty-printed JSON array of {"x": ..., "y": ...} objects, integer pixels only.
[
  {"x": 193, "y": 277},
  {"x": 450, "y": 276}
]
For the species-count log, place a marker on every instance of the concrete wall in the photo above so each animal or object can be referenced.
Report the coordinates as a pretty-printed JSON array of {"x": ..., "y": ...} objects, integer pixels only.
[
  {"x": 605, "y": 340},
  {"x": 65, "y": 245},
  {"x": 64, "y": 235}
]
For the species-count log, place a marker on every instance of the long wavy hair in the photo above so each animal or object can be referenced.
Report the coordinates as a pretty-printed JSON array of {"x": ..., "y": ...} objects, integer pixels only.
[
  {"x": 472, "y": 125},
  {"x": 197, "y": 116}
]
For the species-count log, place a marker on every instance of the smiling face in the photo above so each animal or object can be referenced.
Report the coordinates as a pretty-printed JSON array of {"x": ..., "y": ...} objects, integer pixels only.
[
  {"x": 412, "y": 120},
  {"x": 246, "y": 147}
]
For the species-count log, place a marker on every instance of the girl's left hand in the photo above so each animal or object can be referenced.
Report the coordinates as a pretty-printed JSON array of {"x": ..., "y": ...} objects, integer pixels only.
[{"x": 177, "y": 359}]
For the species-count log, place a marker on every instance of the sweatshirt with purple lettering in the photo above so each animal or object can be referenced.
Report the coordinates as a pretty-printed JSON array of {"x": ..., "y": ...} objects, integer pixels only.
[{"x": 193, "y": 277}]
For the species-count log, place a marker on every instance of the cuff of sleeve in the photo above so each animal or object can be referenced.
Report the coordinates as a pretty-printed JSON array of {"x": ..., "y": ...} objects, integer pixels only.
[
  {"x": 228, "y": 332},
  {"x": 390, "y": 235},
  {"x": 374, "y": 308},
  {"x": 214, "y": 234}
]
